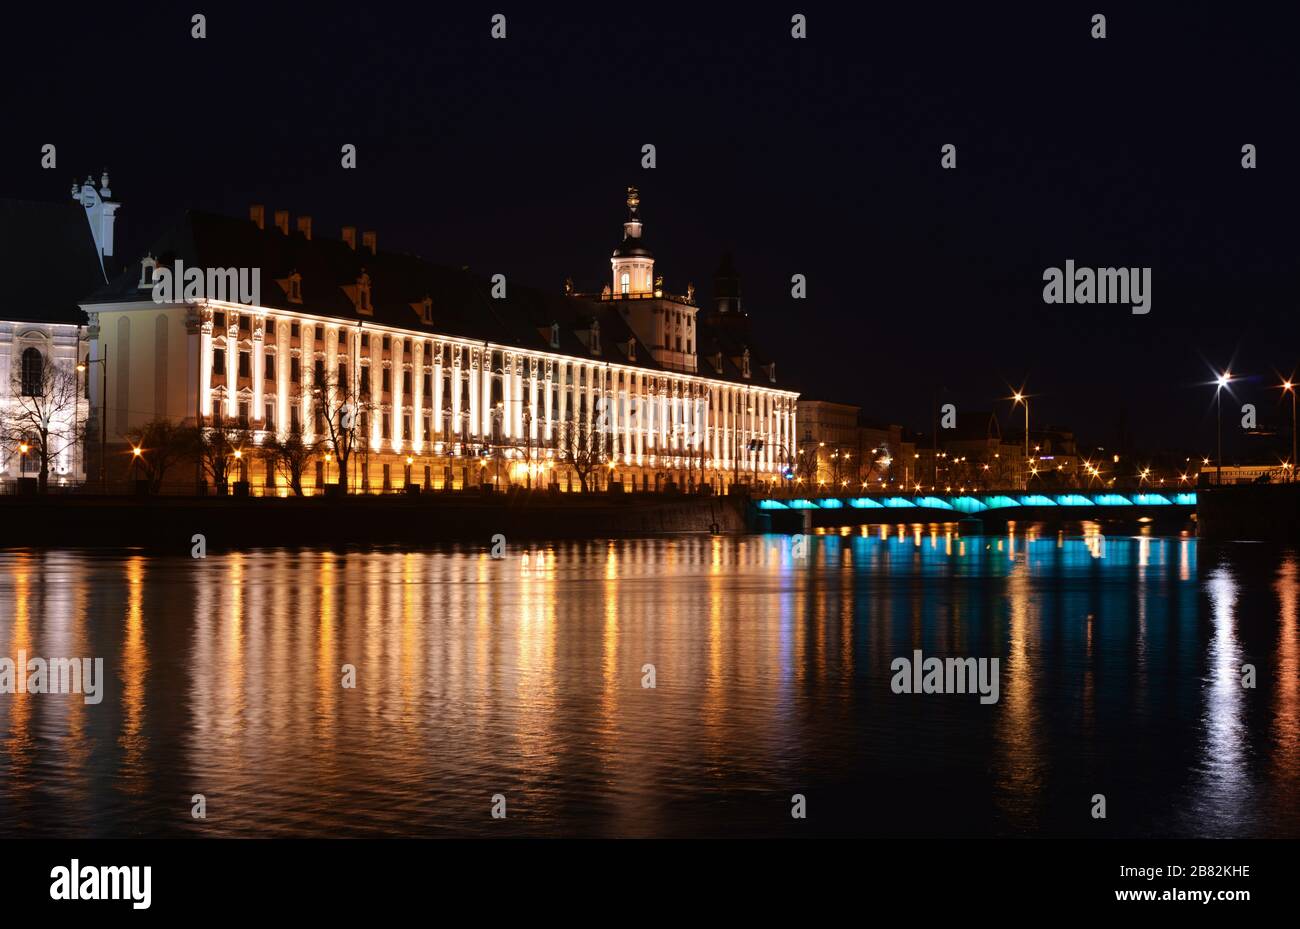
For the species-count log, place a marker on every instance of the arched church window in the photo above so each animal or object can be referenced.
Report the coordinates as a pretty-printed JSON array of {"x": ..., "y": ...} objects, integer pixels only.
[{"x": 33, "y": 373}]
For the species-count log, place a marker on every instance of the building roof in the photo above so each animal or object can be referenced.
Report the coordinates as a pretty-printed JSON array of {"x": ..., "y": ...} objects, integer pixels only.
[
  {"x": 48, "y": 261},
  {"x": 632, "y": 247},
  {"x": 462, "y": 302}
]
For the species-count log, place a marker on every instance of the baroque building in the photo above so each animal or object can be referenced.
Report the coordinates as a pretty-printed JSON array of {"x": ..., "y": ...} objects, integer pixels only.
[
  {"x": 451, "y": 380},
  {"x": 52, "y": 255}
]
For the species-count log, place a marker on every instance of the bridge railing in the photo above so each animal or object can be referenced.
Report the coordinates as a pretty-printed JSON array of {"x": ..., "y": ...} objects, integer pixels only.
[{"x": 978, "y": 503}]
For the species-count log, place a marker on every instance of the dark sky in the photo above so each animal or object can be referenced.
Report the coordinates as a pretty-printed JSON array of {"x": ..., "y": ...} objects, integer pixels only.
[{"x": 819, "y": 157}]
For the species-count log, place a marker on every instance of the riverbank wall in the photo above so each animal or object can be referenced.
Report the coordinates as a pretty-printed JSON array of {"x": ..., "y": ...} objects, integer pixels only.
[{"x": 235, "y": 523}]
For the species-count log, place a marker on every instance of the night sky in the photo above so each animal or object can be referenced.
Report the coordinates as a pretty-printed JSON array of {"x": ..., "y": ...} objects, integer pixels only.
[{"x": 818, "y": 157}]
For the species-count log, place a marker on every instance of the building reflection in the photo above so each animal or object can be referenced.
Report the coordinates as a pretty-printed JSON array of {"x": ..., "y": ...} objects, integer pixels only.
[{"x": 525, "y": 676}]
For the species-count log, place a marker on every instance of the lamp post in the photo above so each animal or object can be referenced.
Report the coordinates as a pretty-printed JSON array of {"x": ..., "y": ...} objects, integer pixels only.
[
  {"x": 83, "y": 368},
  {"x": 1289, "y": 387},
  {"x": 1220, "y": 382},
  {"x": 1019, "y": 397}
]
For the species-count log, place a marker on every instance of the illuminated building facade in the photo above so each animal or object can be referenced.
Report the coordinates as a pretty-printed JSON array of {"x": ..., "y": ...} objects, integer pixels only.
[{"x": 450, "y": 380}]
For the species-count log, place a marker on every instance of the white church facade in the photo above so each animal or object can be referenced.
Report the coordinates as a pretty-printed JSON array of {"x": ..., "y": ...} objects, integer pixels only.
[{"x": 53, "y": 255}]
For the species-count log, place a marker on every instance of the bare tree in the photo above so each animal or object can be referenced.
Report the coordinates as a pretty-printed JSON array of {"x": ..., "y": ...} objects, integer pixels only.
[
  {"x": 289, "y": 456},
  {"x": 41, "y": 415},
  {"x": 580, "y": 446},
  {"x": 341, "y": 410},
  {"x": 217, "y": 446},
  {"x": 807, "y": 463},
  {"x": 162, "y": 443}
]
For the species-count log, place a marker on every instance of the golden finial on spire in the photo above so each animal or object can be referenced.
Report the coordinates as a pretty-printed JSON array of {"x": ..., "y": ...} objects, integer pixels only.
[{"x": 633, "y": 199}]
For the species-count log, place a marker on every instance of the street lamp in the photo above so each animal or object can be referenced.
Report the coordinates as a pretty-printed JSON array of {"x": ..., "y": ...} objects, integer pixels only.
[
  {"x": 82, "y": 368},
  {"x": 1289, "y": 387},
  {"x": 1019, "y": 397},
  {"x": 1220, "y": 382}
]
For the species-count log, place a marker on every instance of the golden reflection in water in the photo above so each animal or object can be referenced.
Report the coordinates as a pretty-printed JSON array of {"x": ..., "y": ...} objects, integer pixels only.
[
  {"x": 329, "y": 671},
  {"x": 1286, "y": 713},
  {"x": 135, "y": 665},
  {"x": 19, "y": 745},
  {"x": 1020, "y": 764}
]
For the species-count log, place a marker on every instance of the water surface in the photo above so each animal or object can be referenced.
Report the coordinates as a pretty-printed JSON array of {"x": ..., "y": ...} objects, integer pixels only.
[{"x": 1120, "y": 674}]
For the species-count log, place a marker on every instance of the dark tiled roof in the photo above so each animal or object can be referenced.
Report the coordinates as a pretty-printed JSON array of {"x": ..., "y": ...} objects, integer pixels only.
[
  {"x": 48, "y": 261},
  {"x": 462, "y": 304}
]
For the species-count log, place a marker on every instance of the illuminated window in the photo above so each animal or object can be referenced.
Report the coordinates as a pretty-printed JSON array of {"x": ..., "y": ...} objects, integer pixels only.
[{"x": 625, "y": 283}]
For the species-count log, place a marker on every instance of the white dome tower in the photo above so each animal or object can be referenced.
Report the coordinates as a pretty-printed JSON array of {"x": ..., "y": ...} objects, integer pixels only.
[{"x": 633, "y": 265}]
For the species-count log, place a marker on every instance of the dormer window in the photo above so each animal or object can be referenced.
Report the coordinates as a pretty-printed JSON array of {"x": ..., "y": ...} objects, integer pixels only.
[
  {"x": 744, "y": 364},
  {"x": 147, "y": 266},
  {"x": 771, "y": 372},
  {"x": 555, "y": 335},
  {"x": 363, "y": 294},
  {"x": 631, "y": 349},
  {"x": 595, "y": 337},
  {"x": 426, "y": 310},
  {"x": 295, "y": 287}
]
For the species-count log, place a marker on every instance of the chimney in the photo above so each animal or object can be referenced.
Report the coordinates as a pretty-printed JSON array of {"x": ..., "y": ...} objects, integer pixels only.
[
  {"x": 304, "y": 226},
  {"x": 282, "y": 221},
  {"x": 350, "y": 236},
  {"x": 257, "y": 213},
  {"x": 368, "y": 241}
]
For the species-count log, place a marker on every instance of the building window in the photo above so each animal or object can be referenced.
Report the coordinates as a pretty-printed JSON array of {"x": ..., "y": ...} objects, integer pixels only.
[
  {"x": 343, "y": 375},
  {"x": 295, "y": 370},
  {"x": 269, "y": 418},
  {"x": 365, "y": 340},
  {"x": 384, "y": 426},
  {"x": 385, "y": 383},
  {"x": 428, "y": 387},
  {"x": 219, "y": 320},
  {"x": 406, "y": 383},
  {"x": 244, "y": 367},
  {"x": 406, "y": 425},
  {"x": 318, "y": 374},
  {"x": 218, "y": 361},
  {"x": 295, "y": 287},
  {"x": 343, "y": 337},
  {"x": 33, "y": 373},
  {"x": 625, "y": 283},
  {"x": 243, "y": 415},
  {"x": 365, "y": 381},
  {"x": 270, "y": 367},
  {"x": 555, "y": 335},
  {"x": 293, "y": 330},
  {"x": 243, "y": 324}
]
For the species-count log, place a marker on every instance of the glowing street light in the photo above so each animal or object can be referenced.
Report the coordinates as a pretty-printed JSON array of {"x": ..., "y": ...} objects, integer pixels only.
[
  {"x": 1019, "y": 397},
  {"x": 1220, "y": 382},
  {"x": 1289, "y": 387}
]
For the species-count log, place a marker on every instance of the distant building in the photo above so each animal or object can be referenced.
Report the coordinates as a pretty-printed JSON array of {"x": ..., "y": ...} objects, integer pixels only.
[
  {"x": 52, "y": 256},
  {"x": 839, "y": 448}
]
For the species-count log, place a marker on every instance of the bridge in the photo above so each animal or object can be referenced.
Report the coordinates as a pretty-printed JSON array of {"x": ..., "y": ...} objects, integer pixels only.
[{"x": 794, "y": 514}]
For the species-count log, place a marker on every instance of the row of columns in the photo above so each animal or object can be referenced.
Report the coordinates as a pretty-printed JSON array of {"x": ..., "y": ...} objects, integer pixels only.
[{"x": 649, "y": 413}]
